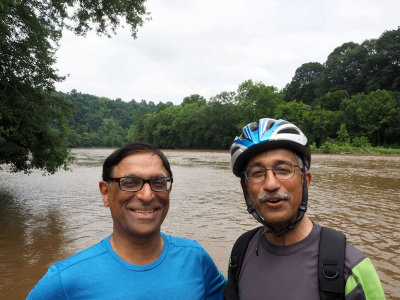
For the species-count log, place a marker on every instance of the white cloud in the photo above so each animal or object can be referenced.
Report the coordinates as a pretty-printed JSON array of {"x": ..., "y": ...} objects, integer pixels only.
[{"x": 207, "y": 47}]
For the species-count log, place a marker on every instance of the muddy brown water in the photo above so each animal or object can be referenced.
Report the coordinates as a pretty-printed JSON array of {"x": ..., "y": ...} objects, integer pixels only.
[{"x": 48, "y": 218}]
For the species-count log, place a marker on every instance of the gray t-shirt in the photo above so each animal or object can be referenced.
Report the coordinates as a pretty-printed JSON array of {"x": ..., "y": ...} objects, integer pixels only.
[{"x": 285, "y": 272}]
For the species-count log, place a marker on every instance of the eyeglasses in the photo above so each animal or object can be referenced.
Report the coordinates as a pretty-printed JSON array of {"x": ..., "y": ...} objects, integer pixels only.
[
  {"x": 135, "y": 184},
  {"x": 283, "y": 171}
]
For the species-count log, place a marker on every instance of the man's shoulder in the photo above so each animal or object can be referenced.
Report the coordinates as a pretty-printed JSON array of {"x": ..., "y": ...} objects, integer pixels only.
[
  {"x": 182, "y": 242},
  {"x": 83, "y": 256},
  {"x": 244, "y": 238},
  {"x": 353, "y": 256}
]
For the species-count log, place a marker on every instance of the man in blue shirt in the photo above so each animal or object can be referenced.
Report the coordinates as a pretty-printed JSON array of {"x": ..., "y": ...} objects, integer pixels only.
[{"x": 136, "y": 261}]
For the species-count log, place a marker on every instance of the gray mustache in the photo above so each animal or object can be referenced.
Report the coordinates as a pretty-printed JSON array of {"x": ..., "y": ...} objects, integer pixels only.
[{"x": 264, "y": 196}]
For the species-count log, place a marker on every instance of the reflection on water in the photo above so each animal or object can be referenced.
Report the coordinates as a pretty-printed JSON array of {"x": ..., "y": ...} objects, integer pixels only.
[
  {"x": 29, "y": 241},
  {"x": 48, "y": 218}
]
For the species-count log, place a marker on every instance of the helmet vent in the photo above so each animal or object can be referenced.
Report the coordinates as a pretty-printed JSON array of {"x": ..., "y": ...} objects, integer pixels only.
[
  {"x": 289, "y": 130},
  {"x": 254, "y": 126}
]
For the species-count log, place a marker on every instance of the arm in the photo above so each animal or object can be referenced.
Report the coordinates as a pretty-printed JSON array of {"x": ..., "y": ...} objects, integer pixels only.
[
  {"x": 364, "y": 283},
  {"x": 214, "y": 281}
]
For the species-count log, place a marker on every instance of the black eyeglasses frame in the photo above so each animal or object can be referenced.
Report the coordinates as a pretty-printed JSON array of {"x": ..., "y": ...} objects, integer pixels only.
[
  {"x": 118, "y": 179},
  {"x": 245, "y": 172}
]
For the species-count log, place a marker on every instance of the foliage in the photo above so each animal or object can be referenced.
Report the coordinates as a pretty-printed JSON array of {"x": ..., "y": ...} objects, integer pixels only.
[
  {"x": 210, "y": 125},
  {"x": 102, "y": 122},
  {"x": 297, "y": 112},
  {"x": 304, "y": 83},
  {"x": 332, "y": 146},
  {"x": 33, "y": 121},
  {"x": 373, "y": 115},
  {"x": 361, "y": 142},
  {"x": 199, "y": 100},
  {"x": 351, "y": 67},
  {"x": 343, "y": 136},
  {"x": 361, "y": 120},
  {"x": 332, "y": 100},
  {"x": 32, "y": 131},
  {"x": 256, "y": 100}
]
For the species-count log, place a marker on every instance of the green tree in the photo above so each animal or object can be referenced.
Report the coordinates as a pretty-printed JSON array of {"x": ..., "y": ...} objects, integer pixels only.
[
  {"x": 256, "y": 101},
  {"x": 344, "y": 70},
  {"x": 111, "y": 134},
  {"x": 384, "y": 63},
  {"x": 321, "y": 125},
  {"x": 332, "y": 100},
  {"x": 224, "y": 97},
  {"x": 296, "y": 112},
  {"x": 195, "y": 98},
  {"x": 377, "y": 112},
  {"x": 342, "y": 135},
  {"x": 164, "y": 133},
  {"x": 304, "y": 83},
  {"x": 188, "y": 126},
  {"x": 33, "y": 120},
  {"x": 219, "y": 124},
  {"x": 374, "y": 115}
]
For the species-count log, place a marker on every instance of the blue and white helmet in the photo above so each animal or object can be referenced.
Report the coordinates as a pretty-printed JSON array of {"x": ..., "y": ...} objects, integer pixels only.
[{"x": 267, "y": 134}]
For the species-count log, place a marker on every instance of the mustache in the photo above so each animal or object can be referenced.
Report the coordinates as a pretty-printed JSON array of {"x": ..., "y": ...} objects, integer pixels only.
[{"x": 276, "y": 195}]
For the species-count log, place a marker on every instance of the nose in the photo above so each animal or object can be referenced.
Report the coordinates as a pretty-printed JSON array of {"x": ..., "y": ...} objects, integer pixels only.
[
  {"x": 270, "y": 182},
  {"x": 146, "y": 193}
]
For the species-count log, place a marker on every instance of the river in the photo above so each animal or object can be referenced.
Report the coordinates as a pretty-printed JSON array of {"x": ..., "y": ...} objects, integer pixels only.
[{"x": 48, "y": 218}]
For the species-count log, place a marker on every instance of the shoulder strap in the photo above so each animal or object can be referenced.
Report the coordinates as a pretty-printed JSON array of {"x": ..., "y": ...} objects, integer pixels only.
[
  {"x": 235, "y": 263},
  {"x": 332, "y": 247}
]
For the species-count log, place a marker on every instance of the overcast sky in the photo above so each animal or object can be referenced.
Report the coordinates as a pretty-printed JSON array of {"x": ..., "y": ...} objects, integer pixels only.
[{"x": 209, "y": 46}]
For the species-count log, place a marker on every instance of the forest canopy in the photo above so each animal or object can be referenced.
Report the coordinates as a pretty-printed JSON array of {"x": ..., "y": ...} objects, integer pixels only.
[{"x": 361, "y": 119}]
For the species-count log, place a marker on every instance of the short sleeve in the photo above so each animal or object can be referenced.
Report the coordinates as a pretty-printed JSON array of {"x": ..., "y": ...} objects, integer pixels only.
[
  {"x": 49, "y": 287},
  {"x": 215, "y": 282}
]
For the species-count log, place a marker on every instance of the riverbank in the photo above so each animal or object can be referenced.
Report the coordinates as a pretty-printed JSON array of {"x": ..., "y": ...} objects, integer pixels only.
[{"x": 337, "y": 148}]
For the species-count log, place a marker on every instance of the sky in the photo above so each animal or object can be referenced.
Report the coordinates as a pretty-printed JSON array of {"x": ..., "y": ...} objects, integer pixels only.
[{"x": 206, "y": 47}]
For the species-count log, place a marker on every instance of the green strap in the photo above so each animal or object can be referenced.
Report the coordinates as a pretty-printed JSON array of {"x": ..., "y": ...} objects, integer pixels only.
[{"x": 364, "y": 274}]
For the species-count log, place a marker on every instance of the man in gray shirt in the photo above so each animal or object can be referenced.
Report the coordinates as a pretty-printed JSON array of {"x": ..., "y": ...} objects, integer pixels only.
[{"x": 272, "y": 159}]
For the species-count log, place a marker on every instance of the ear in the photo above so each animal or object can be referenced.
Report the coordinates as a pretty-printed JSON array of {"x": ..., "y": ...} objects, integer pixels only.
[
  {"x": 308, "y": 178},
  {"x": 104, "y": 190}
]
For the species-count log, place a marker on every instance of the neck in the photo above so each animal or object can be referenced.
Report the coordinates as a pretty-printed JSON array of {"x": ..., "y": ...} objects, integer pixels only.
[
  {"x": 137, "y": 250},
  {"x": 292, "y": 236}
]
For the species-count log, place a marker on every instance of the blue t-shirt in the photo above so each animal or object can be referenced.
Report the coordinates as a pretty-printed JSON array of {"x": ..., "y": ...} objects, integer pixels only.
[{"x": 183, "y": 271}]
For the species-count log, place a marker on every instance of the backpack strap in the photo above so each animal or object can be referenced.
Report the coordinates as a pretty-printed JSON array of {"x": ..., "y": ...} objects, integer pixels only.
[
  {"x": 235, "y": 263},
  {"x": 332, "y": 247}
]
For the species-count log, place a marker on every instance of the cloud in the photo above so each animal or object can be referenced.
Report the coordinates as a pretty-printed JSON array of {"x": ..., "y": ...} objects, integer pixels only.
[{"x": 206, "y": 47}]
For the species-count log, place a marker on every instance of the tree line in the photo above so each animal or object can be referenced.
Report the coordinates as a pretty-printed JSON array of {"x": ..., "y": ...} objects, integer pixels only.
[
  {"x": 355, "y": 68},
  {"x": 361, "y": 119}
]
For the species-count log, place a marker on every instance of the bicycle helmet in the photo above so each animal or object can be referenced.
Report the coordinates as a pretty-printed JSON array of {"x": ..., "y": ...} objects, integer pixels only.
[{"x": 266, "y": 134}]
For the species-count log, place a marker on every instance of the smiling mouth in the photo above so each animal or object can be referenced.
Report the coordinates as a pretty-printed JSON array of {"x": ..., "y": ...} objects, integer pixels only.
[
  {"x": 150, "y": 213},
  {"x": 145, "y": 212}
]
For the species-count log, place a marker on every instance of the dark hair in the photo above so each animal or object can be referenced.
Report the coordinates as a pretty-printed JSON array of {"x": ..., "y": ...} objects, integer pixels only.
[{"x": 136, "y": 147}]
